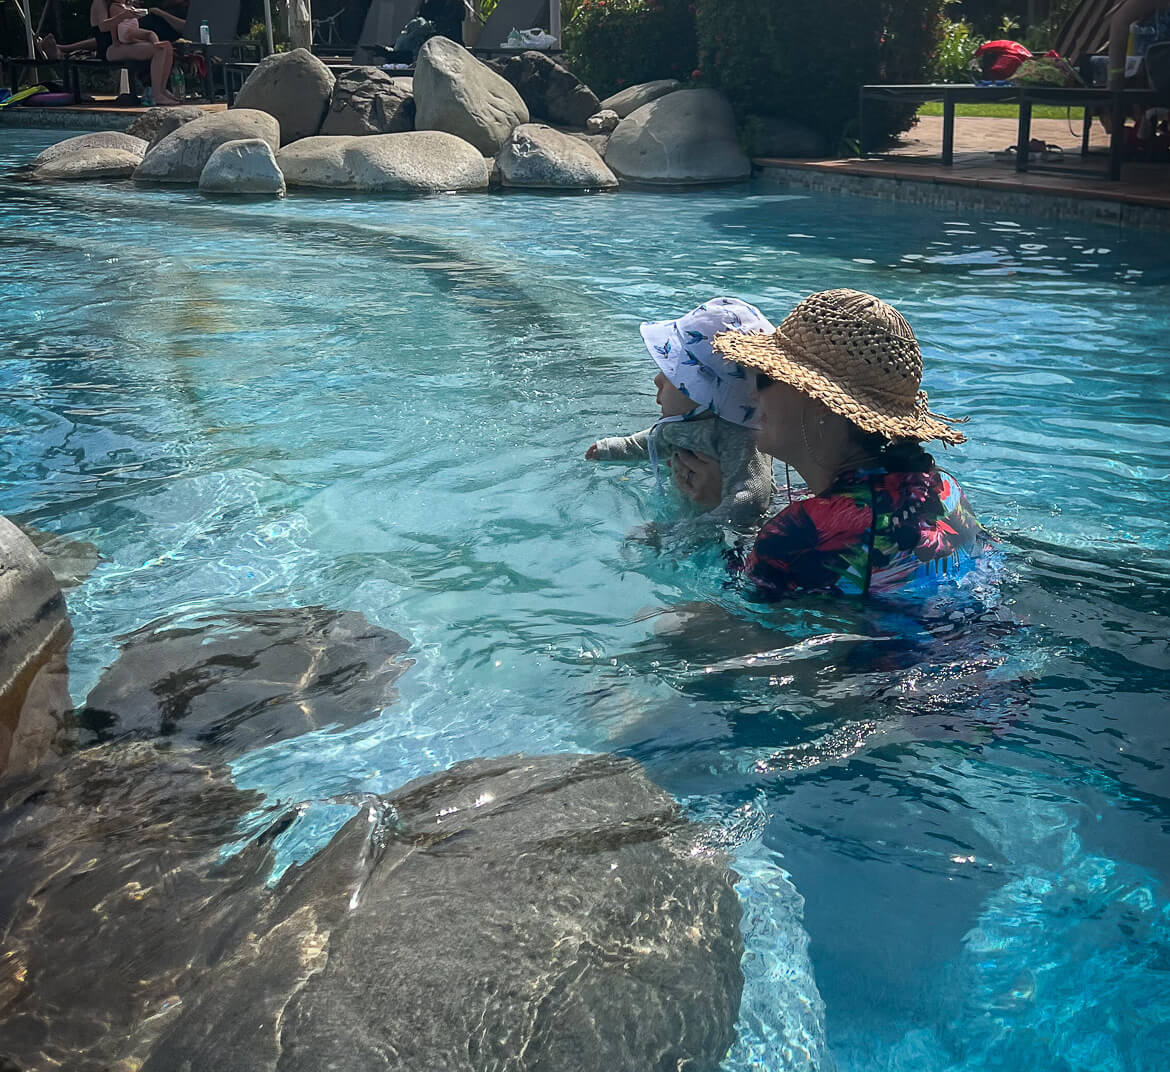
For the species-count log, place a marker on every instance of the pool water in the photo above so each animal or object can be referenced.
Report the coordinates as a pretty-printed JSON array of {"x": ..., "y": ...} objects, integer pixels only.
[{"x": 953, "y": 835}]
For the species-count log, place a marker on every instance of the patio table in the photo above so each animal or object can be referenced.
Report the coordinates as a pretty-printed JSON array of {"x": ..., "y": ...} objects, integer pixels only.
[{"x": 1026, "y": 97}]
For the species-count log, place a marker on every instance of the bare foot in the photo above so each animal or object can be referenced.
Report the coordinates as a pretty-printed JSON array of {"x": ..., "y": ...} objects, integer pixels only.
[
  {"x": 51, "y": 48},
  {"x": 167, "y": 99}
]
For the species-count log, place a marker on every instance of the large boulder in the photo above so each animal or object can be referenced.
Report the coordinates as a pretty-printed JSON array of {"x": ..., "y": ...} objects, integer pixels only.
[
  {"x": 105, "y": 154},
  {"x": 631, "y": 99},
  {"x": 183, "y": 154},
  {"x": 367, "y": 100},
  {"x": 294, "y": 87},
  {"x": 242, "y": 167},
  {"x": 550, "y": 91},
  {"x": 454, "y": 92},
  {"x": 684, "y": 138},
  {"x": 232, "y": 681},
  {"x": 156, "y": 123},
  {"x": 420, "y": 161},
  {"x": 541, "y": 913},
  {"x": 538, "y": 157},
  {"x": 34, "y": 639}
]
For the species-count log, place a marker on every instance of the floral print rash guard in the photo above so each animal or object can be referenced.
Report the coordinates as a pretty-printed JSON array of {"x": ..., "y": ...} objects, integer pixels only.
[{"x": 872, "y": 531}]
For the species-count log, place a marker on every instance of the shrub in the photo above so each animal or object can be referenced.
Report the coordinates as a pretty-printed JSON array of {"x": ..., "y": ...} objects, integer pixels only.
[
  {"x": 611, "y": 44},
  {"x": 956, "y": 52},
  {"x": 806, "y": 61}
]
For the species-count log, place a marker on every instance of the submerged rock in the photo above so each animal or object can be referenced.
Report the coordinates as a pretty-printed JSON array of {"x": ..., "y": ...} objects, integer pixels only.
[
  {"x": 551, "y": 912},
  {"x": 242, "y": 167},
  {"x": 685, "y": 138},
  {"x": 34, "y": 640},
  {"x": 419, "y": 161},
  {"x": 156, "y": 123},
  {"x": 634, "y": 97},
  {"x": 105, "y": 154},
  {"x": 70, "y": 560},
  {"x": 455, "y": 93},
  {"x": 182, "y": 155},
  {"x": 294, "y": 87},
  {"x": 367, "y": 100},
  {"x": 538, "y": 157},
  {"x": 235, "y": 681}
]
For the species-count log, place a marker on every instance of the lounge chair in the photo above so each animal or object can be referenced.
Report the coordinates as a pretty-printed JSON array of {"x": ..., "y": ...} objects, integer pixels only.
[
  {"x": 1086, "y": 30},
  {"x": 385, "y": 20}
]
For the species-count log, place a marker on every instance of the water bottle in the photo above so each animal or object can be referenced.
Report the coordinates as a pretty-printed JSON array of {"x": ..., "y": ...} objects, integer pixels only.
[
  {"x": 204, "y": 33},
  {"x": 180, "y": 83}
]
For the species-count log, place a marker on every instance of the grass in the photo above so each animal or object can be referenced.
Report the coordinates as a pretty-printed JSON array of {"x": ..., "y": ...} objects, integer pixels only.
[{"x": 1000, "y": 111}]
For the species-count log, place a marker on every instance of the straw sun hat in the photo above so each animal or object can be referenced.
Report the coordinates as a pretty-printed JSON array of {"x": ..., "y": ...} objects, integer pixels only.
[{"x": 854, "y": 353}]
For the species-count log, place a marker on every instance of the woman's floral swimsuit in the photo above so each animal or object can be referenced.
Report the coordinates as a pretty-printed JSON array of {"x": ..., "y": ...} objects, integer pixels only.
[{"x": 872, "y": 531}]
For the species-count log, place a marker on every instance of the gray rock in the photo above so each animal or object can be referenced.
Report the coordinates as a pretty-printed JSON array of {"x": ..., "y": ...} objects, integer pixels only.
[
  {"x": 368, "y": 100},
  {"x": 599, "y": 143},
  {"x": 232, "y": 681},
  {"x": 454, "y": 92},
  {"x": 182, "y": 155},
  {"x": 294, "y": 87},
  {"x": 538, "y": 157},
  {"x": 242, "y": 167},
  {"x": 602, "y": 122},
  {"x": 545, "y": 913},
  {"x": 772, "y": 136},
  {"x": 550, "y": 91},
  {"x": 687, "y": 137},
  {"x": 420, "y": 161},
  {"x": 156, "y": 123},
  {"x": 90, "y": 164},
  {"x": 631, "y": 99},
  {"x": 34, "y": 639},
  {"x": 101, "y": 139},
  {"x": 105, "y": 154}
]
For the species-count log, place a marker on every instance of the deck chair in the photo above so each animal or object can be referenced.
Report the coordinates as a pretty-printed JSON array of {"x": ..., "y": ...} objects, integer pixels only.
[
  {"x": 385, "y": 20},
  {"x": 1086, "y": 30},
  {"x": 513, "y": 14}
]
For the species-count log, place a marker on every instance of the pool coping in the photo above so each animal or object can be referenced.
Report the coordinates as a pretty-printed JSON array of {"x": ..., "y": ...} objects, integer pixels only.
[{"x": 914, "y": 184}]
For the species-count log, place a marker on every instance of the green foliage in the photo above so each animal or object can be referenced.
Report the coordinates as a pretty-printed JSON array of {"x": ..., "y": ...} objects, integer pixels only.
[
  {"x": 611, "y": 44},
  {"x": 806, "y": 61},
  {"x": 956, "y": 53}
]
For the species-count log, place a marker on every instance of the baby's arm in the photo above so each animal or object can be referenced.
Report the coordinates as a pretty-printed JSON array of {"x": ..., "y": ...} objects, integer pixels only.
[{"x": 621, "y": 448}]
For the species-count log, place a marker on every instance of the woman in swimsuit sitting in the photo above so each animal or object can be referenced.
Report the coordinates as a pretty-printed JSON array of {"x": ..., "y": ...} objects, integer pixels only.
[
  {"x": 840, "y": 402},
  {"x": 159, "y": 54}
]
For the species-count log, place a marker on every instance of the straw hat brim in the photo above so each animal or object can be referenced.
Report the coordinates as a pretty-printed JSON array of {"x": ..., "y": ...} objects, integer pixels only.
[{"x": 767, "y": 354}]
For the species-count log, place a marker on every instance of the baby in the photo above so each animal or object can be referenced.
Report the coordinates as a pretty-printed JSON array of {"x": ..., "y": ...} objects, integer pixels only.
[
  {"x": 129, "y": 32},
  {"x": 708, "y": 406}
]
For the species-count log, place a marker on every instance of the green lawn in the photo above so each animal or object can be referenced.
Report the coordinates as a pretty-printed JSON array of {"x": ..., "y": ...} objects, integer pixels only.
[{"x": 1000, "y": 111}]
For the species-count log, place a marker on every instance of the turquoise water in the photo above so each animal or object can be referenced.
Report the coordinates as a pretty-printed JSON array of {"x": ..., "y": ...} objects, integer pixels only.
[{"x": 955, "y": 845}]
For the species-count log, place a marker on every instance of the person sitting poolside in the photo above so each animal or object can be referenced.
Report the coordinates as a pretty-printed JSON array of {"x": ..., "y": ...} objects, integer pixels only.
[{"x": 840, "y": 402}]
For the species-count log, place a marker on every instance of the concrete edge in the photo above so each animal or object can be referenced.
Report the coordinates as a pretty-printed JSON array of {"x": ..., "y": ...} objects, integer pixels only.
[
  {"x": 958, "y": 195},
  {"x": 65, "y": 118}
]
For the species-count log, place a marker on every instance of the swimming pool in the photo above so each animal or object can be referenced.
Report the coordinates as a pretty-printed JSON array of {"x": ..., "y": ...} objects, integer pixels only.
[{"x": 383, "y": 405}]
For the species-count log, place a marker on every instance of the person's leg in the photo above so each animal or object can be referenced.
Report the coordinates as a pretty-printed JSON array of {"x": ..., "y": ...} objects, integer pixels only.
[
  {"x": 161, "y": 57},
  {"x": 1123, "y": 15}
]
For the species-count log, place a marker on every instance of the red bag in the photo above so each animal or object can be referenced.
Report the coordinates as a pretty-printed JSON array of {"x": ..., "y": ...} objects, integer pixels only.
[{"x": 999, "y": 60}]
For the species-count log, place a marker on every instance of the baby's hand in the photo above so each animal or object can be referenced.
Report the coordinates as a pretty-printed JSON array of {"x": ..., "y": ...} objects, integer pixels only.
[{"x": 591, "y": 453}]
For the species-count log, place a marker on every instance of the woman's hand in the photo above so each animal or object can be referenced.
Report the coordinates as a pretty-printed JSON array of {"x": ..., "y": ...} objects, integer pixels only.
[{"x": 698, "y": 477}]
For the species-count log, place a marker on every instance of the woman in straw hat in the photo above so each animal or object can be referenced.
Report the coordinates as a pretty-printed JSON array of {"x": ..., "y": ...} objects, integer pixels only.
[{"x": 839, "y": 384}]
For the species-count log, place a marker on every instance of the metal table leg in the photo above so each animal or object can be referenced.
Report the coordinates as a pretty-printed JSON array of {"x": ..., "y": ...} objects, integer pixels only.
[
  {"x": 948, "y": 144},
  {"x": 1116, "y": 136},
  {"x": 1023, "y": 133},
  {"x": 1086, "y": 129}
]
